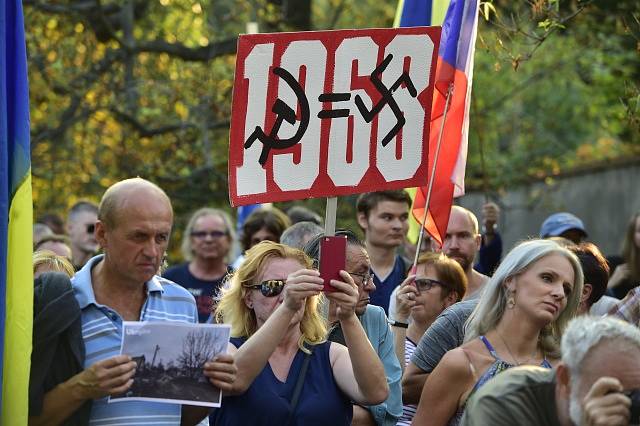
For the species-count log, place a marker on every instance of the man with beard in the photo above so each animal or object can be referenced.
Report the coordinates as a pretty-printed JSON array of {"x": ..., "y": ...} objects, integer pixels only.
[
  {"x": 461, "y": 243},
  {"x": 374, "y": 323},
  {"x": 383, "y": 217},
  {"x": 597, "y": 382},
  {"x": 81, "y": 224},
  {"x": 205, "y": 245}
]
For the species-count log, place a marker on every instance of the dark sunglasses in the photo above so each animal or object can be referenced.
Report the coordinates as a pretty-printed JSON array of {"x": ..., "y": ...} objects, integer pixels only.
[
  {"x": 91, "y": 228},
  {"x": 364, "y": 278},
  {"x": 426, "y": 284},
  {"x": 212, "y": 234},
  {"x": 269, "y": 288}
]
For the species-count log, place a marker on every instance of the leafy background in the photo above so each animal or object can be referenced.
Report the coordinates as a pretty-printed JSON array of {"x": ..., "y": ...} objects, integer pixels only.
[{"x": 143, "y": 87}]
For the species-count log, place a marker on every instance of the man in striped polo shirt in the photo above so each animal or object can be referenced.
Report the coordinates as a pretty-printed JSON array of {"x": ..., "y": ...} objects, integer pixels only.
[{"x": 133, "y": 228}]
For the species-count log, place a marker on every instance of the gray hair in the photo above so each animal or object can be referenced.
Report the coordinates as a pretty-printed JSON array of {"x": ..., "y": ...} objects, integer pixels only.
[
  {"x": 185, "y": 247},
  {"x": 493, "y": 301},
  {"x": 40, "y": 230},
  {"x": 299, "y": 233},
  {"x": 585, "y": 332}
]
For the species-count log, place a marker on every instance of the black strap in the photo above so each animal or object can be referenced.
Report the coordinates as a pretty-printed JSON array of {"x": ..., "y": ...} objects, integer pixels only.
[{"x": 299, "y": 383}]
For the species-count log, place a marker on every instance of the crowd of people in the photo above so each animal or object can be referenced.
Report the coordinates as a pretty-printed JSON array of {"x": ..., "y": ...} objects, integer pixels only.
[{"x": 544, "y": 334}]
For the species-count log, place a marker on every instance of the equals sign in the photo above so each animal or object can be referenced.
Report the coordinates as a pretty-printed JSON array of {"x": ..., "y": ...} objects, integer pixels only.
[{"x": 334, "y": 97}]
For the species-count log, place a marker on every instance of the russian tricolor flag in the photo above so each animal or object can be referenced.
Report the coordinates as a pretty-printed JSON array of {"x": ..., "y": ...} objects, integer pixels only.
[{"x": 455, "y": 69}]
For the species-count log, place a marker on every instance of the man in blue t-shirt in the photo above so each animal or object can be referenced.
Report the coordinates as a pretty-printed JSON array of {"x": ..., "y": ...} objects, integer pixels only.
[{"x": 383, "y": 217}]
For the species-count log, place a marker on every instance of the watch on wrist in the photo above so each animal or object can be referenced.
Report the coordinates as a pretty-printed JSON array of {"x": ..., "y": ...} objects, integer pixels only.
[{"x": 398, "y": 324}]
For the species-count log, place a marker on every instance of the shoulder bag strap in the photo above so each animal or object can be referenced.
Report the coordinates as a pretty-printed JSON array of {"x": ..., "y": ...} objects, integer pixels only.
[{"x": 299, "y": 383}]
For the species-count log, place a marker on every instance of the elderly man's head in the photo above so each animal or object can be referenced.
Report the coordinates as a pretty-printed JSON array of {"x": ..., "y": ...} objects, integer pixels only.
[
  {"x": 133, "y": 228},
  {"x": 80, "y": 227},
  {"x": 600, "y": 351}
]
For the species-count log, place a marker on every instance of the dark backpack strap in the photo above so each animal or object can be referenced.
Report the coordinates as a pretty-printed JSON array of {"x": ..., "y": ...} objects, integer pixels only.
[{"x": 299, "y": 383}]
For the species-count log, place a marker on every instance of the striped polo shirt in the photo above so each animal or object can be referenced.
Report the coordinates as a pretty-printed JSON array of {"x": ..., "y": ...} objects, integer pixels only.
[{"x": 102, "y": 335}]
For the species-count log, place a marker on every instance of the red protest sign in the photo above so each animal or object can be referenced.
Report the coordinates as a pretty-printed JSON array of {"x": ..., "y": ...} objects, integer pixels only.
[{"x": 327, "y": 113}]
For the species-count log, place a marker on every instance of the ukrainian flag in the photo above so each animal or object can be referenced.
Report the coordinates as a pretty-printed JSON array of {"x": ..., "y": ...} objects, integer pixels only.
[{"x": 16, "y": 218}]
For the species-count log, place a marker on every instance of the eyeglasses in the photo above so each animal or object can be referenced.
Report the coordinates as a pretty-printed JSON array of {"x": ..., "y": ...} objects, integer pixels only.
[
  {"x": 364, "y": 278},
  {"x": 426, "y": 284},
  {"x": 269, "y": 288},
  {"x": 204, "y": 234},
  {"x": 91, "y": 228}
]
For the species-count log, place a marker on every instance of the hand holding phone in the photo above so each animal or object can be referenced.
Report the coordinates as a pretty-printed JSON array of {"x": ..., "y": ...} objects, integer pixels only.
[{"x": 333, "y": 255}]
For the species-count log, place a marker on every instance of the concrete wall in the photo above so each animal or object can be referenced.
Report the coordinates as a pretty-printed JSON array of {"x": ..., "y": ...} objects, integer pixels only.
[{"x": 604, "y": 199}]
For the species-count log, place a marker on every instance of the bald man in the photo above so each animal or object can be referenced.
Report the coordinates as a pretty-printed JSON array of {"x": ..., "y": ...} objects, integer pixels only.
[
  {"x": 462, "y": 243},
  {"x": 133, "y": 228}
]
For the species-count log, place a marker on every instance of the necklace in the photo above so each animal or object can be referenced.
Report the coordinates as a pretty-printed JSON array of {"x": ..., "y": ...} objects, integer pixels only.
[{"x": 518, "y": 363}]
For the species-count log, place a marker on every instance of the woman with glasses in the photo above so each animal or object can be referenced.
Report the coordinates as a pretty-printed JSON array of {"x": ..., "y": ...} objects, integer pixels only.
[
  {"x": 206, "y": 242},
  {"x": 288, "y": 374},
  {"x": 374, "y": 323},
  {"x": 439, "y": 282},
  {"x": 519, "y": 320}
]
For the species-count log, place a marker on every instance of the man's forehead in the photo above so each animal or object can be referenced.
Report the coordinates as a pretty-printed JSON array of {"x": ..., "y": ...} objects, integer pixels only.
[
  {"x": 389, "y": 206},
  {"x": 210, "y": 222},
  {"x": 85, "y": 216},
  {"x": 613, "y": 358},
  {"x": 356, "y": 256},
  {"x": 136, "y": 216},
  {"x": 459, "y": 221}
]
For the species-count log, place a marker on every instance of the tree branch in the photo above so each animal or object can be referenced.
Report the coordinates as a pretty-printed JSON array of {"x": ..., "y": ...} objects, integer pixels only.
[{"x": 181, "y": 51}]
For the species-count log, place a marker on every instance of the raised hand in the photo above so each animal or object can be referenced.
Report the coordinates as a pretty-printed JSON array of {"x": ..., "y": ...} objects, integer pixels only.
[
  {"x": 301, "y": 284},
  {"x": 605, "y": 404},
  {"x": 406, "y": 298},
  {"x": 345, "y": 297}
]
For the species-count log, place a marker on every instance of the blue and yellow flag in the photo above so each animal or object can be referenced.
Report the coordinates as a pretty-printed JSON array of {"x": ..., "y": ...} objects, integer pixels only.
[{"x": 16, "y": 218}]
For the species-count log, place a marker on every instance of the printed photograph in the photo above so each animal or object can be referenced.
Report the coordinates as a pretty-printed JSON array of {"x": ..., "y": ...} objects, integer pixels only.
[{"x": 171, "y": 358}]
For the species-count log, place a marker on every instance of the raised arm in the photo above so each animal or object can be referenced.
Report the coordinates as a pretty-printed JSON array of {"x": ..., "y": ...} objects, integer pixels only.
[
  {"x": 404, "y": 303},
  {"x": 357, "y": 370},
  {"x": 254, "y": 354}
]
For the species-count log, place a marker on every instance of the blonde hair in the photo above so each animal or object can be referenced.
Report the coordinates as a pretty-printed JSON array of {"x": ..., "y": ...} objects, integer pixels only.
[
  {"x": 53, "y": 261},
  {"x": 493, "y": 302},
  {"x": 233, "y": 310}
]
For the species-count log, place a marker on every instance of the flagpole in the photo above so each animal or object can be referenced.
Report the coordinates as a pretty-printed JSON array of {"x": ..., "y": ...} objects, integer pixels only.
[{"x": 433, "y": 174}]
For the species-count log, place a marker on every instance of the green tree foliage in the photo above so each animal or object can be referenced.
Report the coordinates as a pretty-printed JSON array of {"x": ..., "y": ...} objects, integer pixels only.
[
  {"x": 555, "y": 87},
  {"x": 143, "y": 87}
]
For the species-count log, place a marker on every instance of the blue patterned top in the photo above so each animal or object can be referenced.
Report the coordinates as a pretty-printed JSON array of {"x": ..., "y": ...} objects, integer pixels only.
[{"x": 498, "y": 366}]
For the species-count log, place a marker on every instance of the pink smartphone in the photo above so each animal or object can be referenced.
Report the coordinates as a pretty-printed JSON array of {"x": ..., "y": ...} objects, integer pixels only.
[{"x": 333, "y": 255}]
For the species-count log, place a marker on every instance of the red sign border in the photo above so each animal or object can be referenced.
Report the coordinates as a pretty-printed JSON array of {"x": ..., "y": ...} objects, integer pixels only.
[{"x": 331, "y": 40}]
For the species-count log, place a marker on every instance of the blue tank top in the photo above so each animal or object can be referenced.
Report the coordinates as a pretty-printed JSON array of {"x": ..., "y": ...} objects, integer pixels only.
[
  {"x": 267, "y": 401},
  {"x": 498, "y": 366}
]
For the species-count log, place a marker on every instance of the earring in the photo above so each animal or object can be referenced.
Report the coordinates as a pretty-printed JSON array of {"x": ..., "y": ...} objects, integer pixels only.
[{"x": 511, "y": 301}]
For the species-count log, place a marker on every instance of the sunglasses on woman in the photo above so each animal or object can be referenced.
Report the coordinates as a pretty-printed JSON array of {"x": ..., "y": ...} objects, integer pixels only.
[
  {"x": 269, "y": 288},
  {"x": 426, "y": 284}
]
